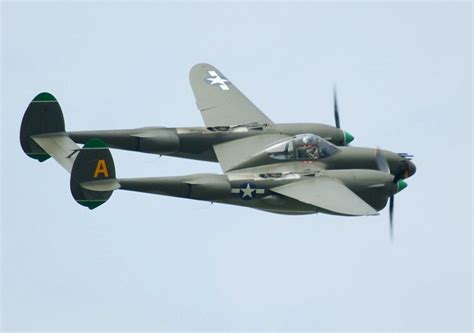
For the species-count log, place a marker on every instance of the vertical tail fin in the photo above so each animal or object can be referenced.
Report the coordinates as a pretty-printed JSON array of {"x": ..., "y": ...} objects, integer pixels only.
[
  {"x": 93, "y": 175},
  {"x": 42, "y": 116}
]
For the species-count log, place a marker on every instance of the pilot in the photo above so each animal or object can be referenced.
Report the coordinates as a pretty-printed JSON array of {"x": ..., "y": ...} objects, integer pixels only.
[
  {"x": 312, "y": 152},
  {"x": 311, "y": 149}
]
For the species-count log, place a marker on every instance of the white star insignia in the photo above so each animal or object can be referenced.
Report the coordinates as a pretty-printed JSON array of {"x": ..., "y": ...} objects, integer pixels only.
[
  {"x": 216, "y": 79},
  {"x": 247, "y": 192}
]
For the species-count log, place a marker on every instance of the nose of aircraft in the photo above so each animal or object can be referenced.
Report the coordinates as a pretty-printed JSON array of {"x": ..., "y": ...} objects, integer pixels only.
[
  {"x": 401, "y": 165},
  {"x": 410, "y": 169}
]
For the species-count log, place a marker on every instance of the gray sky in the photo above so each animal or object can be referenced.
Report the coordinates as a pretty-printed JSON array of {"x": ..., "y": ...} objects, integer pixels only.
[{"x": 143, "y": 262}]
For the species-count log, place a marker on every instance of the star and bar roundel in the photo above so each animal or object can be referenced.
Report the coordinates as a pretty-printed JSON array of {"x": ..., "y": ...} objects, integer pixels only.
[
  {"x": 247, "y": 191},
  {"x": 214, "y": 78}
]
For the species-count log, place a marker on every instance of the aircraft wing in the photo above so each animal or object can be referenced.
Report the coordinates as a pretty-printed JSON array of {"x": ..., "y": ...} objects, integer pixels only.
[
  {"x": 219, "y": 100},
  {"x": 327, "y": 193},
  {"x": 230, "y": 154}
]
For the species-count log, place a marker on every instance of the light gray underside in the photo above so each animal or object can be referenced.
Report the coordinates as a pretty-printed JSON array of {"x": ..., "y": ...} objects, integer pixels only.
[
  {"x": 222, "y": 104},
  {"x": 60, "y": 147},
  {"x": 231, "y": 153},
  {"x": 327, "y": 193}
]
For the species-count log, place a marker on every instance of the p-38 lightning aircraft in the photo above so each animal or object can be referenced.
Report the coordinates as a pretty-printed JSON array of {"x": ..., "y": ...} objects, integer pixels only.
[{"x": 280, "y": 168}]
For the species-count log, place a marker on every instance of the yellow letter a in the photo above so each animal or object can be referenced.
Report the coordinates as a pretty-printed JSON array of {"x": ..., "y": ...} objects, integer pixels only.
[{"x": 101, "y": 168}]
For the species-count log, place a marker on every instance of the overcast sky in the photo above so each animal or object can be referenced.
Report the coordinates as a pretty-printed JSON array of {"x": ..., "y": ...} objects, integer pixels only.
[{"x": 144, "y": 262}]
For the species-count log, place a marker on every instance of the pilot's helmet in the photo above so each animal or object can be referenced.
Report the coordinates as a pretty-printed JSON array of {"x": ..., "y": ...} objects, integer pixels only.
[{"x": 308, "y": 139}]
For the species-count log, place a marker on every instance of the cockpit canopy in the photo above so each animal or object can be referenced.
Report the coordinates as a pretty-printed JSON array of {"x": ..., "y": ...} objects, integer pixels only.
[{"x": 302, "y": 147}]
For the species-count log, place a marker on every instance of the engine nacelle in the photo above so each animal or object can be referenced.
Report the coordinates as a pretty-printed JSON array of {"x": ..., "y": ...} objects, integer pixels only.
[
  {"x": 210, "y": 187},
  {"x": 158, "y": 141}
]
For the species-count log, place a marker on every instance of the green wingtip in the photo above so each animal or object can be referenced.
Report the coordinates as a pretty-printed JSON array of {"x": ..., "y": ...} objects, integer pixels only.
[
  {"x": 348, "y": 138},
  {"x": 91, "y": 204},
  {"x": 44, "y": 97},
  {"x": 95, "y": 143},
  {"x": 401, "y": 185}
]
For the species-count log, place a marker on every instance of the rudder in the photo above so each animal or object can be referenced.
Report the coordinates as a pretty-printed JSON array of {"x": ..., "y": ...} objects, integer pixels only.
[
  {"x": 42, "y": 116},
  {"x": 93, "y": 175}
]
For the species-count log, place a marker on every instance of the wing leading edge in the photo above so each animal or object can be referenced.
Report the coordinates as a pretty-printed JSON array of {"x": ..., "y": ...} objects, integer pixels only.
[
  {"x": 327, "y": 193},
  {"x": 221, "y": 103}
]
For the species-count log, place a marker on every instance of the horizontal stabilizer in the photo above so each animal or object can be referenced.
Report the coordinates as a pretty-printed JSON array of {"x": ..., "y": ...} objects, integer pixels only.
[
  {"x": 101, "y": 185},
  {"x": 327, "y": 193},
  {"x": 60, "y": 147}
]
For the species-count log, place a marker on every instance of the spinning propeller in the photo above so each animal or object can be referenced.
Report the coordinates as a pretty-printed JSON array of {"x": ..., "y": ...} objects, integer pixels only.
[
  {"x": 348, "y": 138},
  {"x": 336, "y": 109},
  {"x": 383, "y": 166}
]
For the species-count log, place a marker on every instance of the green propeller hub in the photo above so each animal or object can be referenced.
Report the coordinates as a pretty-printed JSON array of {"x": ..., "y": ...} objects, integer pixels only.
[
  {"x": 348, "y": 138},
  {"x": 401, "y": 185}
]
